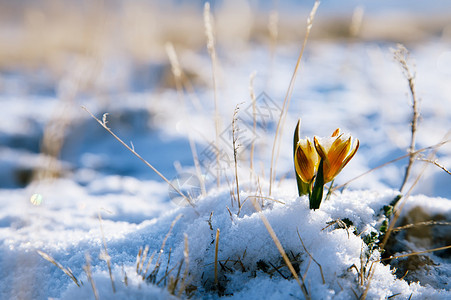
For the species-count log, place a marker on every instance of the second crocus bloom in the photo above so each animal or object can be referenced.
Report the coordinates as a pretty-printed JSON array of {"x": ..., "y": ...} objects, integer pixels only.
[{"x": 335, "y": 151}]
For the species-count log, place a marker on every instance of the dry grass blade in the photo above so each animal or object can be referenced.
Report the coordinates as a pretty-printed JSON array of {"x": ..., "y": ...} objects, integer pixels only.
[
  {"x": 216, "y": 257},
  {"x": 286, "y": 102},
  {"x": 397, "y": 214},
  {"x": 148, "y": 265},
  {"x": 153, "y": 274},
  {"x": 436, "y": 163},
  {"x": 314, "y": 260},
  {"x": 281, "y": 250},
  {"x": 88, "y": 272},
  {"x": 273, "y": 30},
  {"x": 235, "y": 154},
  {"x": 132, "y": 150},
  {"x": 106, "y": 256},
  {"x": 177, "y": 72},
  {"x": 401, "y": 55},
  {"x": 138, "y": 259},
  {"x": 416, "y": 253},
  {"x": 261, "y": 197},
  {"x": 167, "y": 236},
  {"x": 209, "y": 32},
  {"x": 435, "y": 146},
  {"x": 186, "y": 257},
  {"x": 68, "y": 272},
  {"x": 144, "y": 257},
  {"x": 427, "y": 223},
  {"x": 166, "y": 273},
  {"x": 254, "y": 121}
]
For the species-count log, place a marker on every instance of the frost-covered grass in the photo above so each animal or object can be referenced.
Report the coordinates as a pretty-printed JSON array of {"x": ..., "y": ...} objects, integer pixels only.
[{"x": 102, "y": 209}]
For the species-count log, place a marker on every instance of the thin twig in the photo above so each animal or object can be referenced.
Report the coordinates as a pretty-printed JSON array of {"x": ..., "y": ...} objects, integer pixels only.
[
  {"x": 103, "y": 124},
  {"x": 216, "y": 257},
  {"x": 390, "y": 162},
  {"x": 138, "y": 259},
  {"x": 166, "y": 273},
  {"x": 281, "y": 250},
  {"x": 185, "y": 274},
  {"x": 286, "y": 102},
  {"x": 177, "y": 72},
  {"x": 88, "y": 272},
  {"x": 157, "y": 263},
  {"x": 427, "y": 223},
  {"x": 414, "y": 253},
  {"x": 144, "y": 257},
  {"x": 435, "y": 162},
  {"x": 273, "y": 30},
  {"x": 106, "y": 255},
  {"x": 261, "y": 197},
  {"x": 401, "y": 55},
  {"x": 254, "y": 119},
  {"x": 66, "y": 271},
  {"x": 397, "y": 215},
  {"x": 235, "y": 154},
  {"x": 209, "y": 32},
  {"x": 314, "y": 260}
]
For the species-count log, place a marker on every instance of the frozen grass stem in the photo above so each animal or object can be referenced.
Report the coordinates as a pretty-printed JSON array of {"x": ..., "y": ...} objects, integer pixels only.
[
  {"x": 235, "y": 153},
  {"x": 216, "y": 257},
  {"x": 177, "y": 72},
  {"x": 401, "y": 55},
  {"x": 281, "y": 250},
  {"x": 105, "y": 255},
  {"x": 209, "y": 32},
  {"x": 66, "y": 271},
  {"x": 286, "y": 102},
  {"x": 132, "y": 150},
  {"x": 88, "y": 271}
]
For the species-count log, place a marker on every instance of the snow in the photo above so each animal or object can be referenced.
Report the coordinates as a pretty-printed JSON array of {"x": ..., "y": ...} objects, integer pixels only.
[{"x": 106, "y": 196}]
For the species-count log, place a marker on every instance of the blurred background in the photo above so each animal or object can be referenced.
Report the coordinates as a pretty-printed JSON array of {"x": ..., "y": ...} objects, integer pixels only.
[{"x": 42, "y": 33}]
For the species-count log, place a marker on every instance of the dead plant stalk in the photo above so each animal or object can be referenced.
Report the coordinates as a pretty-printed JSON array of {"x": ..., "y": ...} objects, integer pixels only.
[
  {"x": 106, "y": 255},
  {"x": 88, "y": 272},
  {"x": 435, "y": 146},
  {"x": 286, "y": 102},
  {"x": 132, "y": 150},
  {"x": 281, "y": 250},
  {"x": 177, "y": 72},
  {"x": 235, "y": 154},
  {"x": 216, "y": 256},
  {"x": 254, "y": 120},
  {"x": 401, "y": 55},
  {"x": 209, "y": 32},
  {"x": 396, "y": 216}
]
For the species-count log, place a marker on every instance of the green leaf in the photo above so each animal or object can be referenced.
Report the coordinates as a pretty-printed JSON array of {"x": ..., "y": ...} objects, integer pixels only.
[
  {"x": 317, "y": 193},
  {"x": 303, "y": 188}
]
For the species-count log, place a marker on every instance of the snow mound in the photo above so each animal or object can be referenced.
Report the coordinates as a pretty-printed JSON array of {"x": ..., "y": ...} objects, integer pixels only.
[{"x": 250, "y": 266}]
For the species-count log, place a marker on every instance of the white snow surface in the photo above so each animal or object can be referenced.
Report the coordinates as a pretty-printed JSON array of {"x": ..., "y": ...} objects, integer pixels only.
[{"x": 357, "y": 87}]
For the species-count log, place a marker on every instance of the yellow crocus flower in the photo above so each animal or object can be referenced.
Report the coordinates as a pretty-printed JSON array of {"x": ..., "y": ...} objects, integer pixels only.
[
  {"x": 335, "y": 151},
  {"x": 306, "y": 160}
]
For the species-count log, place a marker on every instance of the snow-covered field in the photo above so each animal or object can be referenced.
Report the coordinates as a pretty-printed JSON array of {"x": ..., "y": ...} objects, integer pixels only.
[{"x": 106, "y": 210}]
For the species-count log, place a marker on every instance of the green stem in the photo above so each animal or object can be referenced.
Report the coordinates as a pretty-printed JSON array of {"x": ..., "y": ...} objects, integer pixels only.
[
  {"x": 317, "y": 193},
  {"x": 303, "y": 188}
]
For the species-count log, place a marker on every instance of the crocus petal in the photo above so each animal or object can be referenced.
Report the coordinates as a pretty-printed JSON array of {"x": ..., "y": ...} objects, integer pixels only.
[
  {"x": 336, "y": 132},
  {"x": 322, "y": 152},
  {"x": 306, "y": 160},
  {"x": 337, "y": 154},
  {"x": 352, "y": 153}
]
